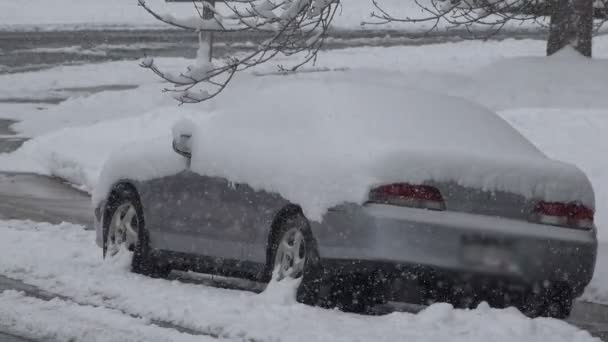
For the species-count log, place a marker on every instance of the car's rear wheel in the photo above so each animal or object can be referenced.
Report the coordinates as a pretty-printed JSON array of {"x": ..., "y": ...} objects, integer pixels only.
[
  {"x": 555, "y": 302},
  {"x": 358, "y": 292},
  {"x": 125, "y": 228},
  {"x": 294, "y": 255}
]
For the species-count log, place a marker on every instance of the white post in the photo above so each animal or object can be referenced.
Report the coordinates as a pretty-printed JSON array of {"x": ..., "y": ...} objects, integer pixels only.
[{"x": 206, "y": 37}]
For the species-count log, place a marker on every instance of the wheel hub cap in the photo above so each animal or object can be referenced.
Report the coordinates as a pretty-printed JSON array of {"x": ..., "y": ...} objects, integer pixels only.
[
  {"x": 123, "y": 228},
  {"x": 291, "y": 255}
]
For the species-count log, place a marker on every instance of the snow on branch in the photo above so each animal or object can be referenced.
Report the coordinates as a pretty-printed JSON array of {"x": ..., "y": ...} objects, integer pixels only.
[
  {"x": 291, "y": 27},
  {"x": 493, "y": 14},
  {"x": 569, "y": 22}
]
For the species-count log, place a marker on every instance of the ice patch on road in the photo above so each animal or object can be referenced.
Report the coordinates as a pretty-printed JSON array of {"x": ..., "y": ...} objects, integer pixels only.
[{"x": 71, "y": 265}]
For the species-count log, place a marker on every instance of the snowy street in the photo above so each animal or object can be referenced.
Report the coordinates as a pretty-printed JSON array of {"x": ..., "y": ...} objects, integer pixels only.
[
  {"x": 67, "y": 266},
  {"x": 80, "y": 109}
]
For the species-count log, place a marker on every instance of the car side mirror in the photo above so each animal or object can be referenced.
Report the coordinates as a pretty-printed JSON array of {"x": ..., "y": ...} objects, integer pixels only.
[{"x": 181, "y": 145}]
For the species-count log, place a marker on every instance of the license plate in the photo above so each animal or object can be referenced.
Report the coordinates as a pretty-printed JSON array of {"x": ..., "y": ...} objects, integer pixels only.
[{"x": 488, "y": 253}]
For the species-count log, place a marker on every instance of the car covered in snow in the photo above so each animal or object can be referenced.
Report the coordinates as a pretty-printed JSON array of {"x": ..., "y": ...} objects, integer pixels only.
[{"x": 369, "y": 192}]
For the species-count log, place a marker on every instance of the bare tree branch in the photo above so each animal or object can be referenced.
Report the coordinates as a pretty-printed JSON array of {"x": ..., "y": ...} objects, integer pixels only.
[
  {"x": 294, "y": 27},
  {"x": 485, "y": 18}
]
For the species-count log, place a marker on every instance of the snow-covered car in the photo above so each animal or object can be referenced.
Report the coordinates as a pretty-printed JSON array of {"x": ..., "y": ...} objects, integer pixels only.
[{"x": 368, "y": 191}]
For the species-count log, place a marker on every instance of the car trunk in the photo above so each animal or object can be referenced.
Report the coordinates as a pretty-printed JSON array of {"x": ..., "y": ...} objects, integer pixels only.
[{"x": 490, "y": 203}]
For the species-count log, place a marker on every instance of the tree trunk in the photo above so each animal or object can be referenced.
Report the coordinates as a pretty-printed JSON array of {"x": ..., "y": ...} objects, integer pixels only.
[
  {"x": 571, "y": 24},
  {"x": 206, "y": 37}
]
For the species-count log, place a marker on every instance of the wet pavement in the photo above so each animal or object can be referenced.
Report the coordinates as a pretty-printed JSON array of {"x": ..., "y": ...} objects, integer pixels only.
[
  {"x": 26, "y": 196},
  {"x": 9, "y": 142},
  {"x": 27, "y": 51}
]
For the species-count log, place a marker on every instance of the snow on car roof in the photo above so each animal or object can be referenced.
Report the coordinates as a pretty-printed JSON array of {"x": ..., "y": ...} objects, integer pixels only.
[{"x": 362, "y": 107}]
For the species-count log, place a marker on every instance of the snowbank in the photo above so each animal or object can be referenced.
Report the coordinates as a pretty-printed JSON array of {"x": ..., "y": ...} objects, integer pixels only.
[
  {"x": 78, "y": 154},
  {"x": 74, "y": 268},
  {"x": 565, "y": 80},
  {"x": 63, "y": 81}
]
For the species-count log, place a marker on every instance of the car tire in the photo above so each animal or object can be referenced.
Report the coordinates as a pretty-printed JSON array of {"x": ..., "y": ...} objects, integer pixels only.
[
  {"x": 559, "y": 302},
  {"x": 357, "y": 292},
  {"x": 144, "y": 261},
  {"x": 312, "y": 289},
  {"x": 555, "y": 303}
]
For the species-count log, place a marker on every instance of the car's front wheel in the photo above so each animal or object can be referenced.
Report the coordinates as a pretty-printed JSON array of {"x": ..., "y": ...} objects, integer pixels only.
[
  {"x": 294, "y": 255},
  {"x": 124, "y": 227}
]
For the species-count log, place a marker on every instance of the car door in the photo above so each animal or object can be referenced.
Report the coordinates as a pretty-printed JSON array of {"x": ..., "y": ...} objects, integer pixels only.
[
  {"x": 197, "y": 215},
  {"x": 255, "y": 211}
]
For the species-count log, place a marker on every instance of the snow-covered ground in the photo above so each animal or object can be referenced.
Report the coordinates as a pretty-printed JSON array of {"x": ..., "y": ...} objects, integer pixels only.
[
  {"x": 60, "y": 320},
  {"x": 557, "y": 103},
  {"x": 71, "y": 266},
  {"x": 30, "y": 15}
]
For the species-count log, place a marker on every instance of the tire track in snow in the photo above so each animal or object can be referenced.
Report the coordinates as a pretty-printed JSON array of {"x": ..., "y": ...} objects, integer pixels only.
[
  {"x": 60, "y": 320},
  {"x": 13, "y": 285},
  {"x": 79, "y": 281},
  {"x": 4, "y": 337}
]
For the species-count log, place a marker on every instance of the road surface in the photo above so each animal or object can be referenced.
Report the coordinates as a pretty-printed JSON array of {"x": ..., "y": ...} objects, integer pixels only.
[{"x": 26, "y": 51}]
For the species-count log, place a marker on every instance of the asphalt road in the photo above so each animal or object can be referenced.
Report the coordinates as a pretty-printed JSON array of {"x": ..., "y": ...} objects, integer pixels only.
[
  {"x": 26, "y": 51},
  {"x": 34, "y": 197}
]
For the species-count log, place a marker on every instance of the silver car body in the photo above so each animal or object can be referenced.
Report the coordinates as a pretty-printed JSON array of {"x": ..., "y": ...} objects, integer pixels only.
[{"x": 481, "y": 233}]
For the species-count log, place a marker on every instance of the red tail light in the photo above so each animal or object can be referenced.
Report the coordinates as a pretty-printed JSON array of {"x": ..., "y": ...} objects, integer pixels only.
[
  {"x": 407, "y": 195},
  {"x": 573, "y": 215}
]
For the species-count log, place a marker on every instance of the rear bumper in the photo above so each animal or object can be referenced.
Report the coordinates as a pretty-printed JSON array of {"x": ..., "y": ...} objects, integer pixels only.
[{"x": 457, "y": 245}]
